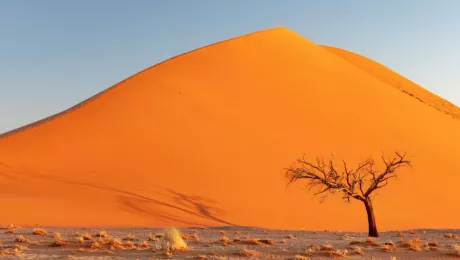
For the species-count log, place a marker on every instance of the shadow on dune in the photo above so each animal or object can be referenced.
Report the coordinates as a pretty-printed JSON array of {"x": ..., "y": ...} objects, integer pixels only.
[{"x": 193, "y": 206}]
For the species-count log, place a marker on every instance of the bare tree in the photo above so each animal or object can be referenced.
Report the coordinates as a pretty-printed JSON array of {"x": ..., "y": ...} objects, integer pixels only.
[{"x": 359, "y": 184}]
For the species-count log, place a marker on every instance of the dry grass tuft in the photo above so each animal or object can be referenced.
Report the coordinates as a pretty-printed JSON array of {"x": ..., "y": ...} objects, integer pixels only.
[
  {"x": 399, "y": 234},
  {"x": 152, "y": 238},
  {"x": 326, "y": 247},
  {"x": 224, "y": 239},
  {"x": 11, "y": 229},
  {"x": 172, "y": 240},
  {"x": 283, "y": 241},
  {"x": 19, "y": 247},
  {"x": 40, "y": 232},
  {"x": 452, "y": 236},
  {"x": 129, "y": 245},
  {"x": 222, "y": 232},
  {"x": 130, "y": 237},
  {"x": 290, "y": 236},
  {"x": 102, "y": 234},
  {"x": 390, "y": 243},
  {"x": 413, "y": 244},
  {"x": 96, "y": 245},
  {"x": 193, "y": 237},
  {"x": 236, "y": 239},
  {"x": 86, "y": 236},
  {"x": 338, "y": 253},
  {"x": 456, "y": 249},
  {"x": 58, "y": 242},
  {"x": 387, "y": 248},
  {"x": 300, "y": 257},
  {"x": 357, "y": 250},
  {"x": 116, "y": 244},
  {"x": 21, "y": 239},
  {"x": 144, "y": 245},
  {"x": 250, "y": 253}
]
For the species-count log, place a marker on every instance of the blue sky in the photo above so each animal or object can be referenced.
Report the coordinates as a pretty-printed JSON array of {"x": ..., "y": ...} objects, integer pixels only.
[{"x": 54, "y": 54}]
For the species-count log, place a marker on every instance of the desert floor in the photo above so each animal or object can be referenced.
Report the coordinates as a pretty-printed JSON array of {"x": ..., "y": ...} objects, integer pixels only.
[{"x": 226, "y": 243}]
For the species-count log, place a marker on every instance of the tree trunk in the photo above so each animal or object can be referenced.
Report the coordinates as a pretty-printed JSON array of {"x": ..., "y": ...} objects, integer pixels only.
[{"x": 371, "y": 218}]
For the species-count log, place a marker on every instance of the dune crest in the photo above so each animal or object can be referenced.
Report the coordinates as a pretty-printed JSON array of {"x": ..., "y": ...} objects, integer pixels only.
[{"x": 203, "y": 138}]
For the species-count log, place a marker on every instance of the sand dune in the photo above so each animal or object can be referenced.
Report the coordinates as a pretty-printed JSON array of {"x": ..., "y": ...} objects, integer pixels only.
[{"x": 202, "y": 139}]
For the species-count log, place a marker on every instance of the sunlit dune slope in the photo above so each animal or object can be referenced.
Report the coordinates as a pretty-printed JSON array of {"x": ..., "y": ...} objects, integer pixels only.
[
  {"x": 393, "y": 79},
  {"x": 203, "y": 138}
]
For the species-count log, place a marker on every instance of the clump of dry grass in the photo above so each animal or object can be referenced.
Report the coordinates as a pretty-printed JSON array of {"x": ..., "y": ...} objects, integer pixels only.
[
  {"x": 80, "y": 239},
  {"x": 11, "y": 229},
  {"x": 40, "y": 232},
  {"x": 15, "y": 252},
  {"x": 222, "y": 232},
  {"x": 116, "y": 244},
  {"x": 129, "y": 245},
  {"x": 86, "y": 236},
  {"x": 338, "y": 253},
  {"x": 250, "y": 253},
  {"x": 357, "y": 250},
  {"x": 413, "y": 232},
  {"x": 236, "y": 239},
  {"x": 387, "y": 248},
  {"x": 399, "y": 234},
  {"x": 193, "y": 237},
  {"x": 130, "y": 237},
  {"x": 59, "y": 241},
  {"x": 456, "y": 249},
  {"x": 300, "y": 257},
  {"x": 95, "y": 245},
  {"x": 143, "y": 245},
  {"x": 290, "y": 236},
  {"x": 152, "y": 237},
  {"x": 224, "y": 239},
  {"x": 326, "y": 247},
  {"x": 19, "y": 247},
  {"x": 172, "y": 240},
  {"x": 21, "y": 239},
  {"x": 283, "y": 241},
  {"x": 389, "y": 243},
  {"x": 413, "y": 244},
  {"x": 452, "y": 236},
  {"x": 102, "y": 234}
]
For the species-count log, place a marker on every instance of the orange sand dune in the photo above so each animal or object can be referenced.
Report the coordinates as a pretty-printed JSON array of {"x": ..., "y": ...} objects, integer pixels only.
[
  {"x": 202, "y": 139},
  {"x": 389, "y": 77}
]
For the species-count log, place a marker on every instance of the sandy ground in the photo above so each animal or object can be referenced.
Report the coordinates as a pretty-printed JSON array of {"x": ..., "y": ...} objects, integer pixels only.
[{"x": 286, "y": 244}]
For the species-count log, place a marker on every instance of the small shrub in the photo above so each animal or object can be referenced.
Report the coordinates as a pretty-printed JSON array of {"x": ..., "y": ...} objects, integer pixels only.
[
  {"x": 21, "y": 239},
  {"x": 173, "y": 240},
  {"x": 338, "y": 253},
  {"x": 40, "y": 232},
  {"x": 249, "y": 253},
  {"x": 102, "y": 234}
]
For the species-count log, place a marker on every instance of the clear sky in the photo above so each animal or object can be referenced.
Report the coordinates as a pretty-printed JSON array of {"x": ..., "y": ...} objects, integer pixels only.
[{"x": 54, "y": 54}]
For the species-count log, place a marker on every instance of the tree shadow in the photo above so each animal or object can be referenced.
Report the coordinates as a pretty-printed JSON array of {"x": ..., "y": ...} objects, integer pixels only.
[{"x": 185, "y": 205}]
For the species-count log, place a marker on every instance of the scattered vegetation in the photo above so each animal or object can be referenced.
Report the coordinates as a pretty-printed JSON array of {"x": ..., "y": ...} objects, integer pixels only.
[
  {"x": 40, "y": 232},
  {"x": 172, "y": 240},
  {"x": 21, "y": 239},
  {"x": 300, "y": 257},
  {"x": 102, "y": 234},
  {"x": 250, "y": 253}
]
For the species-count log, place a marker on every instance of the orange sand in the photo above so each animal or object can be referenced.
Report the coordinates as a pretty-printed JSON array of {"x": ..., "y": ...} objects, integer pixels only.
[{"x": 202, "y": 139}]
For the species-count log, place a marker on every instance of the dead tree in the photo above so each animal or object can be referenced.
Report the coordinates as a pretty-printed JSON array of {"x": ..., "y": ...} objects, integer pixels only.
[{"x": 359, "y": 184}]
